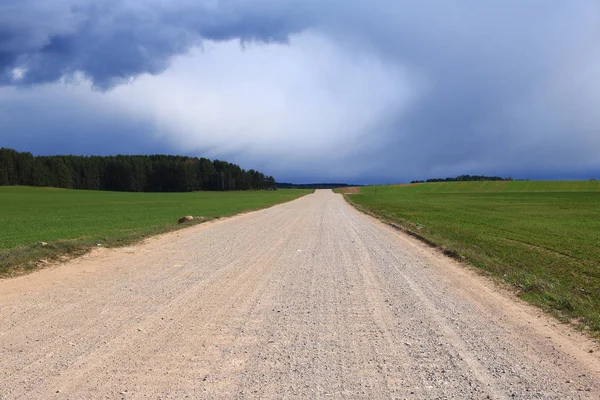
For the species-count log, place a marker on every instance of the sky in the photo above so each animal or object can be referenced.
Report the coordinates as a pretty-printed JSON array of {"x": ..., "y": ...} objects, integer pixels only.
[{"x": 360, "y": 91}]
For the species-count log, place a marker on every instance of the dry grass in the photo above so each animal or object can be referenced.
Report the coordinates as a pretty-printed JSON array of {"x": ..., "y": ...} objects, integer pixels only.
[{"x": 348, "y": 190}]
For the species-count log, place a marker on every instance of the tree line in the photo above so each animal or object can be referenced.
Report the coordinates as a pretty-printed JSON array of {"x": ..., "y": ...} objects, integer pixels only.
[
  {"x": 467, "y": 178},
  {"x": 144, "y": 173}
]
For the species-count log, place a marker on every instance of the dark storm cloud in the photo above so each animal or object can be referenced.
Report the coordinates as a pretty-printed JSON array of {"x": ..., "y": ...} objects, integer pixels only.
[
  {"x": 511, "y": 88},
  {"x": 506, "y": 87},
  {"x": 112, "y": 40}
]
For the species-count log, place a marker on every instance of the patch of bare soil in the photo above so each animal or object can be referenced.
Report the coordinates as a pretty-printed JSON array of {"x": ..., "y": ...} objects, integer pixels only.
[{"x": 349, "y": 190}]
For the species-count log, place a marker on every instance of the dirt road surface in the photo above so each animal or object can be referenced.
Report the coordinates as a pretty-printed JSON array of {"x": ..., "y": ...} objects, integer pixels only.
[{"x": 306, "y": 300}]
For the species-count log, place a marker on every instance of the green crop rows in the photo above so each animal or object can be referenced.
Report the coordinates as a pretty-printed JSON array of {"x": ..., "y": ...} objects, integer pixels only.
[
  {"x": 73, "y": 220},
  {"x": 542, "y": 237}
]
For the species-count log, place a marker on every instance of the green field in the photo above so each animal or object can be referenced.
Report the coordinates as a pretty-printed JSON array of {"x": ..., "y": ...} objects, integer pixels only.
[
  {"x": 542, "y": 237},
  {"x": 73, "y": 220}
]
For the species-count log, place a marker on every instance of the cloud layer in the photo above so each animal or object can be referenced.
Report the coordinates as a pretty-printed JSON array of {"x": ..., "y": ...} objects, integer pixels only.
[
  {"x": 366, "y": 91},
  {"x": 113, "y": 40}
]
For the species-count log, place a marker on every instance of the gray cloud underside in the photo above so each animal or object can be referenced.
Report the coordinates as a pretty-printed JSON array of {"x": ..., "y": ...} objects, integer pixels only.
[
  {"x": 502, "y": 87},
  {"x": 113, "y": 40}
]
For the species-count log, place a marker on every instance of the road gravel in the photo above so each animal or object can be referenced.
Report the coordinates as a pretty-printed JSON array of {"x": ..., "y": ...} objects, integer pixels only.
[{"x": 306, "y": 300}]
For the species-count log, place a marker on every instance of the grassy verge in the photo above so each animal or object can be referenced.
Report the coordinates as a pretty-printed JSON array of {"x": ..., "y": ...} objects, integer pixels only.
[
  {"x": 73, "y": 221},
  {"x": 543, "y": 238}
]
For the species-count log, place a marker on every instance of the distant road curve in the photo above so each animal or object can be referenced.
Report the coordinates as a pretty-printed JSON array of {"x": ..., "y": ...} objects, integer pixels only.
[{"x": 306, "y": 300}]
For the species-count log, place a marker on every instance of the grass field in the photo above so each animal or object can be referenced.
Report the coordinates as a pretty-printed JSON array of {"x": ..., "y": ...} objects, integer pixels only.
[
  {"x": 72, "y": 221},
  {"x": 542, "y": 237}
]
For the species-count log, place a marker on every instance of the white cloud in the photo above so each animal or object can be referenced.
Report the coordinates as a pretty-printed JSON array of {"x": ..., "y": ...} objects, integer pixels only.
[{"x": 302, "y": 103}]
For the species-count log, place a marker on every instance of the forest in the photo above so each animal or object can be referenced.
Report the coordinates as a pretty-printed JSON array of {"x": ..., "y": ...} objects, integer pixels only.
[
  {"x": 467, "y": 178},
  {"x": 128, "y": 173}
]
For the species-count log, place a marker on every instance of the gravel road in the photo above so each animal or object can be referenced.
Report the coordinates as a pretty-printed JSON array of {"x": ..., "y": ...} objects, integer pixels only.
[{"x": 306, "y": 300}]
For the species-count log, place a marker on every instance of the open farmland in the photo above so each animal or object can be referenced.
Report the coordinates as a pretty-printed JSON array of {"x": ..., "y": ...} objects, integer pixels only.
[
  {"x": 71, "y": 221},
  {"x": 542, "y": 237},
  {"x": 306, "y": 300}
]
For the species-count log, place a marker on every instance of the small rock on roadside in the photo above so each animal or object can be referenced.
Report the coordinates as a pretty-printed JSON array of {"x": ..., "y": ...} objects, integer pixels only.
[
  {"x": 42, "y": 244},
  {"x": 185, "y": 219}
]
